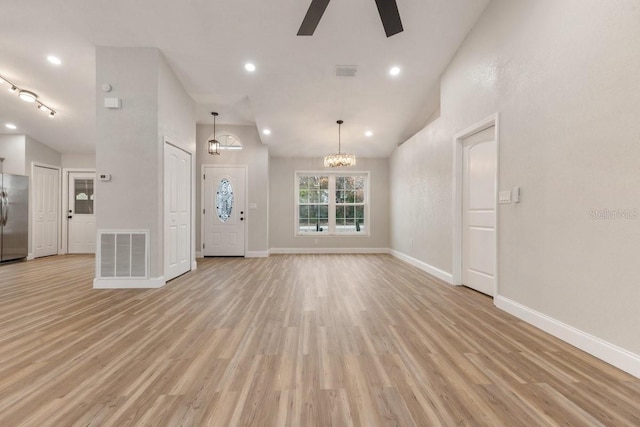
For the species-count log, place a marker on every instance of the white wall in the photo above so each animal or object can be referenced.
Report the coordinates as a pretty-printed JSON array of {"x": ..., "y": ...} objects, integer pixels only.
[
  {"x": 563, "y": 75},
  {"x": 130, "y": 140},
  {"x": 78, "y": 161},
  {"x": 282, "y": 210},
  {"x": 256, "y": 156},
  {"x": 12, "y": 149}
]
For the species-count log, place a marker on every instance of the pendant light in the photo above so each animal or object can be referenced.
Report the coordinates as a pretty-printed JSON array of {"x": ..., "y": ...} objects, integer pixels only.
[
  {"x": 339, "y": 158},
  {"x": 214, "y": 146}
]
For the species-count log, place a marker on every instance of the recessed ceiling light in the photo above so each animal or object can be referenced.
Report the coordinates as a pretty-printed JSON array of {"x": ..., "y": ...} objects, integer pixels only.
[
  {"x": 368, "y": 133},
  {"x": 27, "y": 96},
  {"x": 54, "y": 60},
  {"x": 11, "y": 126},
  {"x": 267, "y": 132},
  {"x": 394, "y": 71},
  {"x": 249, "y": 67}
]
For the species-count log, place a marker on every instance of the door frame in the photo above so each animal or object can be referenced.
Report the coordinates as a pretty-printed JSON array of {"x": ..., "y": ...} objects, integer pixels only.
[
  {"x": 458, "y": 179},
  {"x": 64, "y": 242},
  {"x": 32, "y": 217},
  {"x": 246, "y": 201},
  {"x": 191, "y": 245}
]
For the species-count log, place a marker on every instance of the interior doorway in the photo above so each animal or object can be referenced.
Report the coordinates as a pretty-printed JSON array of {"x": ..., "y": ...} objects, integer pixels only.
[
  {"x": 475, "y": 207},
  {"x": 46, "y": 210},
  {"x": 178, "y": 214}
]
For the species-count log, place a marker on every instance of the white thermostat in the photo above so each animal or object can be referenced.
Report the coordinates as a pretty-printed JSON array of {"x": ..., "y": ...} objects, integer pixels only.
[{"x": 105, "y": 177}]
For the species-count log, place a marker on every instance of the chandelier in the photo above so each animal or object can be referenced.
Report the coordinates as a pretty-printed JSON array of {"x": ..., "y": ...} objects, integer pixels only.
[{"x": 339, "y": 158}]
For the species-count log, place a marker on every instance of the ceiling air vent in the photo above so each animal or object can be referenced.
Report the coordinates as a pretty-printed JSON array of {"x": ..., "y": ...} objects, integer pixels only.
[{"x": 346, "y": 70}]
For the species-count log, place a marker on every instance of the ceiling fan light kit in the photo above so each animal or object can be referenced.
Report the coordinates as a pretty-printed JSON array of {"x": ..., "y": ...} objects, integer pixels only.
[
  {"x": 339, "y": 159},
  {"x": 28, "y": 96},
  {"x": 388, "y": 10}
]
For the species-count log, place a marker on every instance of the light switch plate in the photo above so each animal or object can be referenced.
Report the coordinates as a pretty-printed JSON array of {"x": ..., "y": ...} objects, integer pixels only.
[
  {"x": 112, "y": 103},
  {"x": 504, "y": 197}
]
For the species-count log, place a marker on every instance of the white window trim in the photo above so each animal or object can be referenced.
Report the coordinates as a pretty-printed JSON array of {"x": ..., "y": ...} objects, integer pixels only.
[{"x": 332, "y": 203}]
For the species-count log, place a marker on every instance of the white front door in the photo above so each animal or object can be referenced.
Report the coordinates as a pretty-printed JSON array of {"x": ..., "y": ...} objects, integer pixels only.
[
  {"x": 177, "y": 207},
  {"x": 224, "y": 211},
  {"x": 479, "y": 211},
  {"x": 81, "y": 214},
  {"x": 46, "y": 204}
]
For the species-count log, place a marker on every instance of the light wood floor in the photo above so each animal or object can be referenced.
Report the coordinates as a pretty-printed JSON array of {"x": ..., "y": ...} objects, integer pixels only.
[{"x": 339, "y": 340}]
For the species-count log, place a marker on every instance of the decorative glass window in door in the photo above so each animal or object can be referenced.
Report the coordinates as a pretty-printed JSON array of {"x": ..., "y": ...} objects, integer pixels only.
[
  {"x": 224, "y": 200},
  {"x": 83, "y": 197}
]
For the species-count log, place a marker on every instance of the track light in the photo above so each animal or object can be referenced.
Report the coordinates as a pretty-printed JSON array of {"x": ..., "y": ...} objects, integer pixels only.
[{"x": 28, "y": 96}]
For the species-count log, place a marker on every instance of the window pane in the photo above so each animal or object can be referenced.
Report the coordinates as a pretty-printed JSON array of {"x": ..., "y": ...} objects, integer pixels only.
[
  {"x": 303, "y": 197},
  {"x": 360, "y": 212},
  {"x": 349, "y": 196},
  {"x": 314, "y": 197},
  {"x": 303, "y": 212},
  {"x": 324, "y": 182},
  {"x": 314, "y": 182},
  {"x": 224, "y": 200},
  {"x": 340, "y": 182},
  {"x": 349, "y": 182},
  {"x": 83, "y": 201},
  {"x": 324, "y": 196},
  {"x": 323, "y": 212},
  {"x": 304, "y": 181},
  {"x": 359, "y": 183},
  {"x": 359, "y": 196},
  {"x": 339, "y": 212}
]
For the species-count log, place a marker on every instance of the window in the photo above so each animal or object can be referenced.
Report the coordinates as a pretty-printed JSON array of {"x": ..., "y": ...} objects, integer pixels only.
[{"x": 332, "y": 203}]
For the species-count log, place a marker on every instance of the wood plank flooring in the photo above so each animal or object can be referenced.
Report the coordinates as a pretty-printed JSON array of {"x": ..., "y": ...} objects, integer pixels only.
[{"x": 341, "y": 340}]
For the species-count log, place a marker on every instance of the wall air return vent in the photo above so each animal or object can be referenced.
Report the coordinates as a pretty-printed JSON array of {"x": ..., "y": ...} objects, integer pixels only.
[
  {"x": 346, "y": 70},
  {"x": 123, "y": 254}
]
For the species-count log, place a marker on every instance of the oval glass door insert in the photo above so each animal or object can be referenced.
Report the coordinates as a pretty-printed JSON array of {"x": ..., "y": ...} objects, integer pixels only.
[{"x": 224, "y": 200}]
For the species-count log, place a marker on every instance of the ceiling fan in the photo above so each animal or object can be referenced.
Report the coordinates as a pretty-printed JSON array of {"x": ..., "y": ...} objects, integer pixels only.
[{"x": 388, "y": 10}]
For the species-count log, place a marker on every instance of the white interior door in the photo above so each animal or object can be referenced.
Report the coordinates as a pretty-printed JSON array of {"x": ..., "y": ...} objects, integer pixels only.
[
  {"x": 81, "y": 215},
  {"x": 177, "y": 206},
  {"x": 224, "y": 211},
  {"x": 479, "y": 211},
  {"x": 46, "y": 203}
]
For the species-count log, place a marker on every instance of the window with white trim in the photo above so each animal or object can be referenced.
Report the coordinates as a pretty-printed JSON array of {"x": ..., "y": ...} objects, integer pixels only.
[{"x": 332, "y": 204}]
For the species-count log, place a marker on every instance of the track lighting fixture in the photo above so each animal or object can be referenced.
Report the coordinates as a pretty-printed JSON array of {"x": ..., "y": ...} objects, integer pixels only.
[{"x": 28, "y": 96}]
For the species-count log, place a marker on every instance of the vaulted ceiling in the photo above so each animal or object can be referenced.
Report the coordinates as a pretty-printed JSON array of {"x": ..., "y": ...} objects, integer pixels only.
[{"x": 294, "y": 91}]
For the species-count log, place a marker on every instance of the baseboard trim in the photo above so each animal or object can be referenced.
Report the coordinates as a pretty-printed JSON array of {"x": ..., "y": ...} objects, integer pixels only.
[
  {"x": 30, "y": 257},
  {"x": 256, "y": 254},
  {"x": 293, "y": 251},
  {"x": 199, "y": 255},
  {"x": 194, "y": 265},
  {"x": 610, "y": 353},
  {"x": 434, "y": 271},
  {"x": 153, "y": 283}
]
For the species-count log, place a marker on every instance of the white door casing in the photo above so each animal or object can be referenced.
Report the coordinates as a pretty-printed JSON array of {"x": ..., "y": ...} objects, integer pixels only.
[
  {"x": 46, "y": 203},
  {"x": 177, "y": 208},
  {"x": 224, "y": 215},
  {"x": 81, "y": 215},
  {"x": 479, "y": 211}
]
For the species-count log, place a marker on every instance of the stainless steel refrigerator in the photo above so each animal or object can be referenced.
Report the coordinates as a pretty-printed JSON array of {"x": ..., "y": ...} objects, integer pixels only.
[{"x": 14, "y": 217}]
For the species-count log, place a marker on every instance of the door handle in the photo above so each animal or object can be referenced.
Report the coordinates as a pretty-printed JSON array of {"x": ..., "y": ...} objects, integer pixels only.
[
  {"x": 5, "y": 208},
  {"x": 241, "y": 219},
  {"x": 2, "y": 221},
  {"x": 69, "y": 217}
]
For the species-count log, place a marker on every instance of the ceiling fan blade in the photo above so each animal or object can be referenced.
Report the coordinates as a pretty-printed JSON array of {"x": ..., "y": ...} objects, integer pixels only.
[
  {"x": 388, "y": 10},
  {"x": 312, "y": 18}
]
